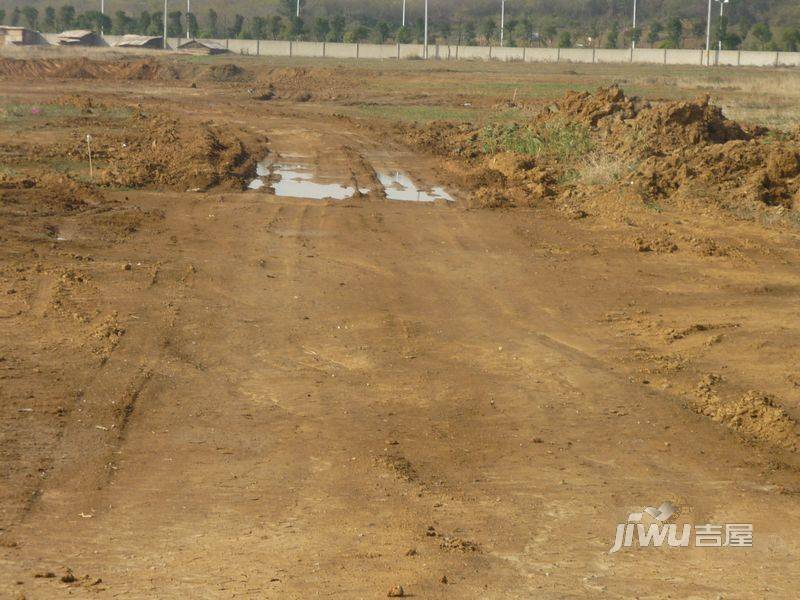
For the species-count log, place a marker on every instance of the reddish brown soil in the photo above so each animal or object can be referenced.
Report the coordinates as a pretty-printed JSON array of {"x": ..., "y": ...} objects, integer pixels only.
[{"x": 225, "y": 393}]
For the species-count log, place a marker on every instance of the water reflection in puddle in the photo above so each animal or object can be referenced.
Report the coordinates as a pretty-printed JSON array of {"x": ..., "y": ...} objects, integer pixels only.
[
  {"x": 399, "y": 186},
  {"x": 298, "y": 180}
]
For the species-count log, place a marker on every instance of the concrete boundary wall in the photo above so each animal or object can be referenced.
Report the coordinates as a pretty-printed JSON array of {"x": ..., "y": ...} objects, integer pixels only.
[
  {"x": 542, "y": 54},
  {"x": 577, "y": 55},
  {"x": 789, "y": 59},
  {"x": 758, "y": 59},
  {"x": 732, "y": 58}
]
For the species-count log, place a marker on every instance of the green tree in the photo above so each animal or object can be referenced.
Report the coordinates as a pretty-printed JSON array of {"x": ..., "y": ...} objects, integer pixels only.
[
  {"x": 258, "y": 28},
  {"x": 145, "y": 20},
  {"x": 732, "y": 41},
  {"x": 675, "y": 32},
  {"x": 762, "y": 33},
  {"x": 275, "y": 26},
  {"x": 156, "y": 24},
  {"x": 791, "y": 39},
  {"x": 49, "y": 23},
  {"x": 122, "y": 23},
  {"x": 636, "y": 35},
  {"x": 419, "y": 31},
  {"x": 16, "y": 15},
  {"x": 96, "y": 21},
  {"x": 699, "y": 28},
  {"x": 564, "y": 40},
  {"x": 212, "y": 23},
  {"x": 295, "y": 28},
  {"x": 382, "y": 32},
  {"x": 445, "y": 30},
  {"x": 322, "y": 27},
  {"x": 66, "y": 17},
  {"x": 2, "y": 15},
  {"x": 655, "y": 32},
  {"x": 488, "y": 29},
  {"x": 175, "y": 23},
  {"x": 549, "y": 33},
  {"x": 235, "y": 30},
  {"x": 356, "y": 33},
  {"x": 612, "y": 37},
  {"x": 524, "y": 30},
  {"x": 469, "y": 33},
  {"x": 403, "y": 35},
  {"x": 31, "y": 17},
  {"x": 338, "y": 23},
  {"x": 191, "y": 25}
]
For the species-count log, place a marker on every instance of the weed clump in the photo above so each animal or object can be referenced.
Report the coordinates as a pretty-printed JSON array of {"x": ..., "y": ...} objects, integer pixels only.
[{"x": 554, "y": 140}]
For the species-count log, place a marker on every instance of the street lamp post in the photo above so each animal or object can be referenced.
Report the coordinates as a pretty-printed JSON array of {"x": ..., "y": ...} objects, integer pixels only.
[
  {"x": 188, "y": 12},
  {"x": 426, "y": 29},
  {"x": 165, "y": 24},
  {"x": 722, "y": 4},
  {"x": 633, "y": 32},
  {"x": 502, "y": 20},
  {"x": 708, "y": 32}
]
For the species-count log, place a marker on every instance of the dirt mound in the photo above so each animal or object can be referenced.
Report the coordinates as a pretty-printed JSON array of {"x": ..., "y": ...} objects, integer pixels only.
[
  {"x": 604, "y": 152},
  {"x": 300, "y": 83},
  {"x": 228, "y": 72},
  {"x": 457, "y": 140},
  {"x": 589, "y": 109},
  {"x": 147, "y": 69},
  {"x": 676, "y": 125},
  {"x": 754, "y": 415},
  {"x": 161, "y": 151}
]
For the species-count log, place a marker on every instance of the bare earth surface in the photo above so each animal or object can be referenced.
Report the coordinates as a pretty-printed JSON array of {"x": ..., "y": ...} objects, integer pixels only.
[{"x": 228, "y": 393}]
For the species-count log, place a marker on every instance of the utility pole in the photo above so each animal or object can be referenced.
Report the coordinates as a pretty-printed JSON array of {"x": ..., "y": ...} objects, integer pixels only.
[
  {"x": 722, "y": 3},
  {"x": 165, "y": 24},
  {"x": 503, "y": 20},
  {"x": 298, "y": 8},
  {"x": 708, "y": 32},
  {"x": 633, "y": 32},
  {"x": 102, "y": 14},
  {"x": 426, "y": 29},
  {"x": 188, "y": 12},
  {"x": 404, "y": 13}
]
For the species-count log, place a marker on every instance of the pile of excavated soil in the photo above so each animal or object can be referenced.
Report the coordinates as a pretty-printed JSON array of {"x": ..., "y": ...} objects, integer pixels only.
[
  {"x": 148, "y": 69},
  {"x": 589, "y": 109},
  {"x": 292, "y": 83},
  {"x": 634, "y": 154},
  {"x": 160, "y": 151},
  {"x": 143, "y": 150},
  {"x": 754, "y": 415}
]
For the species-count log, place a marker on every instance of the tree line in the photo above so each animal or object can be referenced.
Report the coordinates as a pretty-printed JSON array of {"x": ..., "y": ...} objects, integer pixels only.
[{"x": 520, "y": 30}]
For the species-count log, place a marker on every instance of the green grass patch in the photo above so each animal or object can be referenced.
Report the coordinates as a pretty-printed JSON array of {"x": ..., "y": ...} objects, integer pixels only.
[
  {"x": 38, "y": 111},
  {"x": 30, "y": 113},
  {"x": 556, "y": 139}
]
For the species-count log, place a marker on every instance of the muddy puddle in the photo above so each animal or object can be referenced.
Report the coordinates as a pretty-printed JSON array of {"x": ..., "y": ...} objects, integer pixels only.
[
  {"x": 297, "y": 179},
  {"x": 399, "y": 186}
]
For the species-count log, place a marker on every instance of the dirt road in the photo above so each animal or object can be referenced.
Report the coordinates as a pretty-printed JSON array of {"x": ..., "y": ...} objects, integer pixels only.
[{"x": 253, "y": 396}]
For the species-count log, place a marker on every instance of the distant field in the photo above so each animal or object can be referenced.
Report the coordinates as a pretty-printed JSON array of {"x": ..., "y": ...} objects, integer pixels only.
[
  {"x": 415, "y": 90},
  {"x": 432, "y": 90}
]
